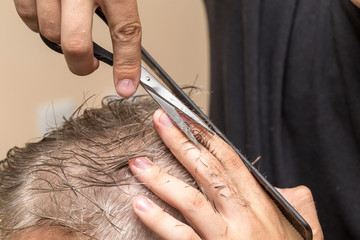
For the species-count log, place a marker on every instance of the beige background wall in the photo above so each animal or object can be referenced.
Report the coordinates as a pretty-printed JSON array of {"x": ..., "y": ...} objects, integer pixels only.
[{"x": 34, "y": 81}]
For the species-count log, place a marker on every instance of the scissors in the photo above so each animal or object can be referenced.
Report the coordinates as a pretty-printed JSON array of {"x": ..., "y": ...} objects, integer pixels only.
[
  {"x": 169, "y": 101},
  {"x": 165, "y": 99}
]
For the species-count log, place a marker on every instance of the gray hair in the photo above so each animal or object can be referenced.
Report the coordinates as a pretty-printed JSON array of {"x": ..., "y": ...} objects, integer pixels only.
[{"x": 77, "y": 179}]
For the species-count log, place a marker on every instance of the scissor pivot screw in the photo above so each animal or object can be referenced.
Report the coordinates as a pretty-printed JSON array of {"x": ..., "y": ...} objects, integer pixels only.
[{"x": 147, "y": 78}]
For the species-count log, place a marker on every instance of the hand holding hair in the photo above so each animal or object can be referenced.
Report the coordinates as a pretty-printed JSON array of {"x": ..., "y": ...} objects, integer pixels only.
[{"x": 232, "y": 205}]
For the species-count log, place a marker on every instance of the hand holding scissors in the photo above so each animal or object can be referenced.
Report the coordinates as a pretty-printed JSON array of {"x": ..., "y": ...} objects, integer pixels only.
[{"x": 70, "y": 23}]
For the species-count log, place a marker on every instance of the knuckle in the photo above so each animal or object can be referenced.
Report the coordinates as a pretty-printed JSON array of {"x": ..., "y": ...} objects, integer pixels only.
[
  {"x": 223, "y": 190},
  {"x": 233, "y": 162},
  {"x": 304, "y": 192},
  {"x": 50, "y": 33},
  {"x": 196, "y": 201},
  {"x": 76, "y": 47},
  {"x": 130, "y": 32},
  {"x": 159, "y": 176},
  {"x": 26, "y": 14},
  {"x": 186, "y": 148},
  {"x": 302, "y": 197},
  {"x": 191, "y": 152}
]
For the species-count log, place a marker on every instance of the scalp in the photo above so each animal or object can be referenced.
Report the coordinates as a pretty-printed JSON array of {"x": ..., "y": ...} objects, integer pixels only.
[{"x": 77, "y": 176}]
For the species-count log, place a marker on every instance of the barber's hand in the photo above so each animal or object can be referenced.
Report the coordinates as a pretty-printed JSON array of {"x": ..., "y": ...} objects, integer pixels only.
[
  {"x": 356, "y": 2},
  {"x": 69, "y": 22},
  {"x": 235, "y": 206}
]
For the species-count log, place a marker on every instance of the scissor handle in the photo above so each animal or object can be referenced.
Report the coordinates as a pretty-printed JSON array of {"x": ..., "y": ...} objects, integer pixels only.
[{"x": 100, "y": 53}]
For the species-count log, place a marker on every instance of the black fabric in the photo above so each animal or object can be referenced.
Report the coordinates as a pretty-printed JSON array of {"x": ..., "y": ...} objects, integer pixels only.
[{"x": 285, "y": 80}]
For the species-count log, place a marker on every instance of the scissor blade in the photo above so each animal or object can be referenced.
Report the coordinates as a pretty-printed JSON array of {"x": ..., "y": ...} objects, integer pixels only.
[
  {"x": 175, "y": 116},
  {"x": 152, "y": 85}
]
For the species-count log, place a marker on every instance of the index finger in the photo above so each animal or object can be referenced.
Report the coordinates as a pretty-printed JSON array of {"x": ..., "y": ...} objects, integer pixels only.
[
  {"x": 125, "y": 30},
  {"x": 208, "y": 172},
  {"x": 216, "y": 167}
]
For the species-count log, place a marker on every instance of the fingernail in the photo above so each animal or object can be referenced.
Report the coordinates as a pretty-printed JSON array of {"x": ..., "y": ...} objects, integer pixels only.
[
  {"x": 165, "y": 120},
  {"x": 125, "y": 86},
  {"x": 142, "y": 163},
  {"x": 143, "y": 204}
]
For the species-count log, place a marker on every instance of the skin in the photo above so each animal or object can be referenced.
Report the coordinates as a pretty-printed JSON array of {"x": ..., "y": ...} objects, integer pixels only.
[
  {"x": 43, "y": 233},
  {"x": 356, "y": 2},
  {"x": 243, "y": 209},
  {"x": 69, "y": 23}
]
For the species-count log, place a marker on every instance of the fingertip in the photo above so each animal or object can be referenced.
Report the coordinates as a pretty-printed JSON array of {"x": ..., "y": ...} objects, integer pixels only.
[
  {"x": 27, "y": 12},
  {"x": 141, "y": 204},
  {"x": 125, "y": 87},
  {"x": 165, "y": 120},
  {"x": 33, "y": 27},
  {"x": 157, "y": 115},
  {"x": 162, "y": 119},
  {"x": 127, "y": 55},
  {"x": 83, "y": 70},
  {"x": 79, "y": 56},
  {"x": 137, "y": 165},
  {"x": 96, "y": 63}
]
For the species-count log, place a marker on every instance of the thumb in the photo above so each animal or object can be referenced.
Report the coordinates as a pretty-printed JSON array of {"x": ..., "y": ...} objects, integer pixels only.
[
  {"x": 125, "y": 31},
  {"x": 302, "y": 200}
]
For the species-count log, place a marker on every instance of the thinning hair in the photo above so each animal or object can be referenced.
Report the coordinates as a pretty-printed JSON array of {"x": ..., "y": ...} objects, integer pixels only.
[{"x": 77, "y": 177}]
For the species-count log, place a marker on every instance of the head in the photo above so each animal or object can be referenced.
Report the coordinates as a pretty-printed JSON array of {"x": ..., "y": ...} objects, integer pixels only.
[{"x": 75, "y": 183}]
